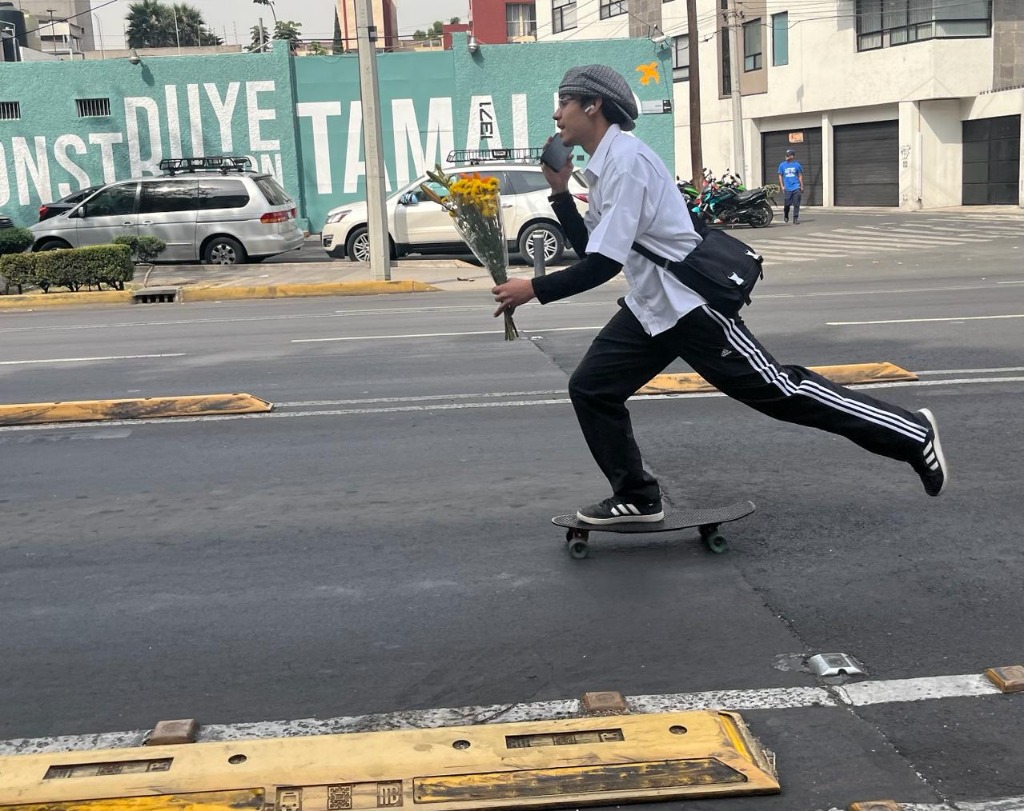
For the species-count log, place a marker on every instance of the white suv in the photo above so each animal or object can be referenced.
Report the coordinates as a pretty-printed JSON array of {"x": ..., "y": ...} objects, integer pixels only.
[{"x": 418, "y": 225}]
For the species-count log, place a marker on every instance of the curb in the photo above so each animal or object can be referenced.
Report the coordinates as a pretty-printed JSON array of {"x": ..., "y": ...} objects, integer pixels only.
[
  {"x": 142, "y": 408},
  {"x": 188, "y": 293}
]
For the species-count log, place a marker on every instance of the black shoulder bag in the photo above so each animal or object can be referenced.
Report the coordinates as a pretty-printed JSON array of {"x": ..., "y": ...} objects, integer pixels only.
[{"x": 721, "y": 269}]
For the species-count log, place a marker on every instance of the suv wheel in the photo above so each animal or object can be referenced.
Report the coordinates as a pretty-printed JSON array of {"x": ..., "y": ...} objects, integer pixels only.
[
  {"x": 357, "y": 248},
  {"x": 554, "y": 242},
  {"x": 224, "y": 251}
]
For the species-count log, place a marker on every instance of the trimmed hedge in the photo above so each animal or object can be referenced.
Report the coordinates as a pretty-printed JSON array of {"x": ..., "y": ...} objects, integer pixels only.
[
  {"x": 144, "y": 249},
  {"x": 73, "y": 268},
  {"x": 15, "y": 240}
]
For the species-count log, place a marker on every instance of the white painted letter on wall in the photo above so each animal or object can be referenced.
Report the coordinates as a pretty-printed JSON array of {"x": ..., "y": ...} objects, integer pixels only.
[{"x": 319, "y": 112}]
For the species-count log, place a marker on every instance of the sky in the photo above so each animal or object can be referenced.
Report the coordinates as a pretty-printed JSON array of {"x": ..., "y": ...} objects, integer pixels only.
[{"x": 232, "y": 19}]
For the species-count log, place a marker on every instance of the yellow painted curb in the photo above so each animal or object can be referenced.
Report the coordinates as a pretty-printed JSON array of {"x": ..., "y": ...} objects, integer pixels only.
[
  {"x": 848, "y": 375},
  {"x": 34, "y": 300},
  {"x": 532, "y": 764},
  {"x": 299, "y": 290},
  {"x": 190, "y": 293},
  {"x": 135, "y": 409}
]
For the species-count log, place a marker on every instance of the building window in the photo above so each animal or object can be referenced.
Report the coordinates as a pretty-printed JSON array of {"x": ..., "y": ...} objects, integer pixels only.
[
  {"x": 93, "y": 108},
  {"x": 726, "y": 66},
  {"x": 752, "y": 45},
  {"x": 520, "y": 21},
  {"x": 681, "y": 58},
  {"x": 613, "y": 8},
  {"x": 563, "y": 15},
  {"x": 780, "y": 38},
  {"x": 10, "y": 110},
  {"x": 883, "y": 23}
]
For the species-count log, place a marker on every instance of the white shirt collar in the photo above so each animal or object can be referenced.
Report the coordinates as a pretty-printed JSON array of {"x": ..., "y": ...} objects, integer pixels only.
[{"x": 596, "y": 162}]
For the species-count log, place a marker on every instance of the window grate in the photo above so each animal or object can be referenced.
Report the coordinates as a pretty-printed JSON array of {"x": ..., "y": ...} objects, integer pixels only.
[
  {"x": 93, "y": 108},
  {"x": 10, "y": 110}
]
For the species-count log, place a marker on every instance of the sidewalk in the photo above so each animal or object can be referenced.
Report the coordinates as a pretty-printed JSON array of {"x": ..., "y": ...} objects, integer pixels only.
[
  {"x": 442, "y": 274},
  {"x": 181, "y": 283}
]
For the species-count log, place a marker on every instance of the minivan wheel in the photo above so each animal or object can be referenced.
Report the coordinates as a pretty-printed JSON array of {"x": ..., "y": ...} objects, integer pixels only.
[
  {"x": 224, "y": 251},
  {"x": 554, "y": 243},
  {"x": 53, "y": 245}
]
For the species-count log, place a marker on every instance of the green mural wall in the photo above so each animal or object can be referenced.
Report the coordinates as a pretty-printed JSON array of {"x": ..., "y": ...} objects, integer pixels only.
[
  {"x": 298, "y": 118},
  {"x": 233, "y": 104},
  {"x": 433, "y": 103}
]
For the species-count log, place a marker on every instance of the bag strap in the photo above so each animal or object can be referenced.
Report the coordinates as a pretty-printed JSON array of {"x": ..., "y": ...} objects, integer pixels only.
[{"x": 660, "y": 261}]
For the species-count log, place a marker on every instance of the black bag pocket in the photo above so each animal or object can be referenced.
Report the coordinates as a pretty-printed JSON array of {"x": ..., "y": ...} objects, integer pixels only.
[{"x": 722, "y": 270}]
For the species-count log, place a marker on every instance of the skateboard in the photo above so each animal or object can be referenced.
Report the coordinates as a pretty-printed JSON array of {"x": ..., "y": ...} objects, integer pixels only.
[{"x": 707, "y": 521}]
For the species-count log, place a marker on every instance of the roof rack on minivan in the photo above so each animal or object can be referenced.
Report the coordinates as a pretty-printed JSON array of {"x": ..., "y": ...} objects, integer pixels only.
[
  {"x": 209, "y": 163},
  {"x": 529, "y": 154}
]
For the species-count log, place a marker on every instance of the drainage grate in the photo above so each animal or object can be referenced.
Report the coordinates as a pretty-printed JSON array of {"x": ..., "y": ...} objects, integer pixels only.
[{"x": 155, "y": 295}]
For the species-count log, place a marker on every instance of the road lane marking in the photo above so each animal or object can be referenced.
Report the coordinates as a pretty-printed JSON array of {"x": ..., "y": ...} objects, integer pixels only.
[
  {"x": 433, "y": 335},
  {"x": 348, "y": 412},
  {"x": 861, "y": 694},
  {"x": 923, "y": 320},
  {"x": 90, "y": 360}
]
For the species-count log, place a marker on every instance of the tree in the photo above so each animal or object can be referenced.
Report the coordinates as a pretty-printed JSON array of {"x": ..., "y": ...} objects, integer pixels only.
[
  {"x": 152, "y": 24},
  {"x": 316, "y": 49},
  {"x": 283, "y": 29},
  {"x": 337, "y": 44},
  {"x": 148, "y": 25}
]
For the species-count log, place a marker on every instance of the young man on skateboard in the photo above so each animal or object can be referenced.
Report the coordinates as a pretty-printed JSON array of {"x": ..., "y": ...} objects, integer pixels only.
[{"x": 634, "y": 199}]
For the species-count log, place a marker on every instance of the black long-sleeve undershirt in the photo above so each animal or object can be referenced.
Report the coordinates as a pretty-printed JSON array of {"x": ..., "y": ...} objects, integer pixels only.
[{"x": 591, "y": 271}]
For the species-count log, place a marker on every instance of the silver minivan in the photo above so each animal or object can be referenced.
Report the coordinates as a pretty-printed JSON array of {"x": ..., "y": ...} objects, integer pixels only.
[{"x": 211, "y": 210}]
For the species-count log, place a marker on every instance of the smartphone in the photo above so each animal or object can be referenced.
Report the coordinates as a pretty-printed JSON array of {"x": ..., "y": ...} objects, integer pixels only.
[{"x": 556, "y": 153}]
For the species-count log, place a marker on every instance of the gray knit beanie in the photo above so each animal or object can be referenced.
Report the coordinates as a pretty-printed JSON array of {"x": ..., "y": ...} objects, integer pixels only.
[{"x": 602, "y": 81}]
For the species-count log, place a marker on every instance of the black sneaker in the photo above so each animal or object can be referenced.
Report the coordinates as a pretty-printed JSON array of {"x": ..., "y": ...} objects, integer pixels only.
[
  {"x": 931, "y": 466},
  {"x": 785, "y": 219},
  {"x": 618, "y": 511}
]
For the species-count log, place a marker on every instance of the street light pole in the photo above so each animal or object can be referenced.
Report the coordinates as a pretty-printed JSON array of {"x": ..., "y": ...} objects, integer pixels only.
[
  {"x": 369, "y": 91},
  {"x": 177, "y": 36},
  {"x": 53, "y": 33},
  {"x": 100, "y": 29}
]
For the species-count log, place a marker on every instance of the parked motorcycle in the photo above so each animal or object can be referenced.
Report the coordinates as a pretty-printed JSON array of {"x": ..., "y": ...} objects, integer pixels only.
[{"x": 725, "y": 206}]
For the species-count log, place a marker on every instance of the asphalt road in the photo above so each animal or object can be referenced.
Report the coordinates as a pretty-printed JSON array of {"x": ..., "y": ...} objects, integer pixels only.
[{"x": 381, "y": 542}]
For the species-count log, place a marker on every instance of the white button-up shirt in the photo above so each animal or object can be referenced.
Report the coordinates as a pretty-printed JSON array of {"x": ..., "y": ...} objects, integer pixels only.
[{"x": 633, "y": 198}]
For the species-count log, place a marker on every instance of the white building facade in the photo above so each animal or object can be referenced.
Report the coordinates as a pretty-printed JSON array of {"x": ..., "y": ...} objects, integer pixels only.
[{"x": 909, "y": 103}]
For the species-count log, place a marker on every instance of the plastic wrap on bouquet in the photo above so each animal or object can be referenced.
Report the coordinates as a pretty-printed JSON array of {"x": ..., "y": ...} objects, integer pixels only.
[
  {"x": 474, "y": 203},
  {"x": 489, "y": 247}
]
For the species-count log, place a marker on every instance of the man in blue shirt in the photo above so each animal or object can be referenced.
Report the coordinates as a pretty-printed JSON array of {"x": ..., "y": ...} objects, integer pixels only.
[{"x": 791, "y": 178}]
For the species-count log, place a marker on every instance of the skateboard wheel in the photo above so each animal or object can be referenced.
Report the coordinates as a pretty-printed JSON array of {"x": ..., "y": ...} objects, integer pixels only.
[
  {"x": 716, "y": 542},
  {"x": 579, "y": 549}
]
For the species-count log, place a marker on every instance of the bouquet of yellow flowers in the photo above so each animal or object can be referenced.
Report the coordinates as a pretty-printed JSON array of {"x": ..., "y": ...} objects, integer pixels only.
[{"x": 474, "y": 202}]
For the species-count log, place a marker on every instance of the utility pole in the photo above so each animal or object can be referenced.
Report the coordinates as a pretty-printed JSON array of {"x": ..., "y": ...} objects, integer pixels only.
[
  {"x": 739, "y": 159},
  {"x": 696, "y": 149},
  {"x": 369, "y": 91}
]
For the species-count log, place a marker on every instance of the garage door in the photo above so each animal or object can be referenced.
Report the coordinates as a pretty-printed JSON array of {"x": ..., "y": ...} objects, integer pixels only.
[
  {"x": 867, "y": 159},
  {"x": 992, "y": 161},
  {"x": 807, "y": 146}
]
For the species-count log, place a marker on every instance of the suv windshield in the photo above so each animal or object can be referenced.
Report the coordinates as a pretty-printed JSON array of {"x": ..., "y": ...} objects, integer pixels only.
[{"x": 272, "y": 190}]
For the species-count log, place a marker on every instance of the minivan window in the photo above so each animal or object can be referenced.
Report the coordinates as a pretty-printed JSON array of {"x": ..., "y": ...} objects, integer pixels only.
[
  {"x": 222, "y": 193},
  {"x": 526, "y": 182},
  {"x": 272, "y": 190},
  {"x": 113, "y": 201},
  {"x": 162, "y": 197}
]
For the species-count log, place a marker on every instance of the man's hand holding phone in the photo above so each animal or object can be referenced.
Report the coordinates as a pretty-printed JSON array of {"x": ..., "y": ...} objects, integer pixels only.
[{"x": 556, "y": 162}]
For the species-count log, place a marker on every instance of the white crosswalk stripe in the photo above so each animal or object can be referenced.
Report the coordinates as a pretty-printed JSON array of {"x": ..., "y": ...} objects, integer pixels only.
[{"x": 789, "y": 246}]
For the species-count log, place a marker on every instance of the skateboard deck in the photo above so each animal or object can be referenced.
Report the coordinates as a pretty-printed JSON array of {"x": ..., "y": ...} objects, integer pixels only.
[{"x": 707, "y": 521}]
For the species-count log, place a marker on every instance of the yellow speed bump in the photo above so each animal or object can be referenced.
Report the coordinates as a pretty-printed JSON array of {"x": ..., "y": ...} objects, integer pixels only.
[
  {"x": 567, "y": 762},
  {"x": 135, "y": 409},
  {"x": 848, "y": 375}
]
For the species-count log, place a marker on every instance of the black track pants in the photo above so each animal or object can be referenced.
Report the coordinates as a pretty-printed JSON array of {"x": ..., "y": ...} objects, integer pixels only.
[{"x": 722, "y": 350}]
